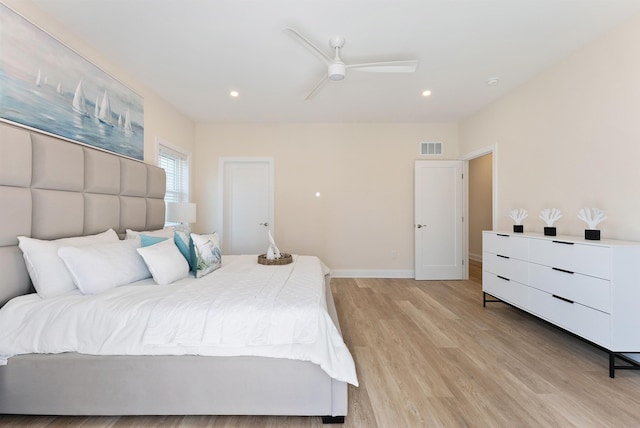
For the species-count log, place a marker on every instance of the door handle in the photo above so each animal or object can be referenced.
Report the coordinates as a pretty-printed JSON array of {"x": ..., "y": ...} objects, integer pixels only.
[
  {"x": 265, "y": 224},
  {"x": 419, "y": 226}
]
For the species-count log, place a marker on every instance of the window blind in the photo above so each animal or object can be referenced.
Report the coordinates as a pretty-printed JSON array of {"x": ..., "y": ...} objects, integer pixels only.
[{"x": 176, "y": 167}]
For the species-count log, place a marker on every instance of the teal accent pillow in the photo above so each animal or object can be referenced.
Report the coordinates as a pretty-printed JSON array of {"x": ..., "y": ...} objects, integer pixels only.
[
  {"x": 185, "y": 245},
  {"x": 148, "y": 240}
]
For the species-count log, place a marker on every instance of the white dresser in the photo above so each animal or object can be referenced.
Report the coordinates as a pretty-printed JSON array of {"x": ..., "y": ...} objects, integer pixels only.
[{"x": 590, "y": 288}]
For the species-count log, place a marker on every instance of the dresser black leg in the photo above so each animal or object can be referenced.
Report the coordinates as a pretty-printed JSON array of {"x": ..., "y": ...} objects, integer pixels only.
[
  {"x": 333, "y": 419},
  {"x": 612, "y": 365},
  {"x": 485, "y": 300}
]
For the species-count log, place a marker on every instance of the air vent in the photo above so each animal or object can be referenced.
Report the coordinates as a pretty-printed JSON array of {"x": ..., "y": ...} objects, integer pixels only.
[{"x": 431, "y": 148}]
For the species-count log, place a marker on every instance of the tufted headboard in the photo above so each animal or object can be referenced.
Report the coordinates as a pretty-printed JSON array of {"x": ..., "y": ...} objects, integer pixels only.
[{"x": 52, "y": 188}]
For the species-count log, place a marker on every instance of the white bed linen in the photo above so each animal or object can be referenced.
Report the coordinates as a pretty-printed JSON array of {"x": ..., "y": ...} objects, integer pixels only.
[{"x": 243, "y": 308}]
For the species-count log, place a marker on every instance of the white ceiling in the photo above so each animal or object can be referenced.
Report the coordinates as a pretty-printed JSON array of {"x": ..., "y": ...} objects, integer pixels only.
[{"x": 193, "y": 52}]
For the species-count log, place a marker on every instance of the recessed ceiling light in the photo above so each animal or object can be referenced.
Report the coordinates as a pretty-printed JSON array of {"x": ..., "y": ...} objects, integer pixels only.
[
  {"x": 234, "y": 94},
  {"x": 493, "y": 81},
  {"x": 426, "y": 93}
]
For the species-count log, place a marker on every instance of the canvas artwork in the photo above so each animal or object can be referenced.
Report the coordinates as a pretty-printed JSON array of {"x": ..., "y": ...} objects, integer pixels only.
[{"x": 47, "y": 86}]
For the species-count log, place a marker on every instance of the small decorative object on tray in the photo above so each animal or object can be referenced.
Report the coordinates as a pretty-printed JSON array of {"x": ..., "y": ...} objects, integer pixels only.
[
  {"x": 273, "y": 255},
  {"x": 284, "y": 259}
]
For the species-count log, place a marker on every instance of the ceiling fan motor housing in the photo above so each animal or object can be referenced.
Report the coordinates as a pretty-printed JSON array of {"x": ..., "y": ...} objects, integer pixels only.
[{"x": 337, "y": 71}]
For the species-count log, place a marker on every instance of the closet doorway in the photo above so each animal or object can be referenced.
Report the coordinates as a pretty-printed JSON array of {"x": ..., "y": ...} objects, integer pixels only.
[{"x": 480, "y": 204}]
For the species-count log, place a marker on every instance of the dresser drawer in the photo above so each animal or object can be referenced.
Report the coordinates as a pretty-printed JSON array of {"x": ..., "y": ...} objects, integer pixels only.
[
  {"x": 505, "y": 289},
  {"x": 506, "y": 245},
  {"x": 589, "y": 323},
  {"x": 507, "y": 267},
  {"x": 575, "y": 257},
  {"x": 587, "y": 290}
]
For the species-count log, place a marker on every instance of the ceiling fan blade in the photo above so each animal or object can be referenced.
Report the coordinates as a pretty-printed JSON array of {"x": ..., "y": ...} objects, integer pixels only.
[
  {"x": 386, "y": 66},
  {"x": 313, "y": 48},
  {"x": 317, "y": 87}
]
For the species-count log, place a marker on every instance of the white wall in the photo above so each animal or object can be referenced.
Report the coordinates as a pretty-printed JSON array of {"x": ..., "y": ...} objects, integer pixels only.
[
  {"x": 570, "y": 138},
  {"x": 160, "y": 118},
  {"x": 363, "y": 171}
]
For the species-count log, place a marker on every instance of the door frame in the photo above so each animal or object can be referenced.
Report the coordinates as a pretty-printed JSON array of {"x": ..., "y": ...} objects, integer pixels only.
[
  {"x": 493, "y": 150},
  {"x": 222, "y": 162}
]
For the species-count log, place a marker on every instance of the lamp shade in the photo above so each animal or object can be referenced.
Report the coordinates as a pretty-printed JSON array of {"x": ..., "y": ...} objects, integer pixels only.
[{"x": 181, "y": 212}]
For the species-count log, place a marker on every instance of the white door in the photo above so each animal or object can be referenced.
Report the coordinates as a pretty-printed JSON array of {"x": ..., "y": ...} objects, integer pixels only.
[
  {"x": 438, "y": 220},
  {"x": 247, "y": 205}
]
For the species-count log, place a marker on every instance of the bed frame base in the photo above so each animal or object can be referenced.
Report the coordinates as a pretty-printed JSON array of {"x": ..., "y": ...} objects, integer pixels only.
[{"x": 75, "y": 384}]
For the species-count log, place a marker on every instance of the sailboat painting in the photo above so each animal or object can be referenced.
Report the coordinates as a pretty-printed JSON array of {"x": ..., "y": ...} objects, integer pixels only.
[{"x": 46, "y": 86}]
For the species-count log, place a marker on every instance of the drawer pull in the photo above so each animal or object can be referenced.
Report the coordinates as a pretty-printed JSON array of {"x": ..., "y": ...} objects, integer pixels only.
[
  {"x": 563, "y": 242},
  {"x": 504, "y": 257},
  {"x": 501, "y": 234},
  {"x": 563, "y": 270},
  {"x": 502, "y": 277},
  {"x": 563, "y": 299}
]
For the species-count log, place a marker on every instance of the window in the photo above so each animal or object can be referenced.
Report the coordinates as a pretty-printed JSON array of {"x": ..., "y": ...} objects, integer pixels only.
[{"x": 175, "y": 163}]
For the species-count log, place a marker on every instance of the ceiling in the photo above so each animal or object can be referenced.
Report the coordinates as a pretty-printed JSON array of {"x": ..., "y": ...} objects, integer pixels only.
[{"x": 194, "y": 52}]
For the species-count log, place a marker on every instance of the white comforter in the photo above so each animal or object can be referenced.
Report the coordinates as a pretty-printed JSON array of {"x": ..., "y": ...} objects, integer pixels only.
[{"x": 243, "y": 308}]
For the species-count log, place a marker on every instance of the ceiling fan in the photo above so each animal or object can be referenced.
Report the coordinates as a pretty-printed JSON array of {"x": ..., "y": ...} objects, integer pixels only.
[{"x": 337, "y": 69}]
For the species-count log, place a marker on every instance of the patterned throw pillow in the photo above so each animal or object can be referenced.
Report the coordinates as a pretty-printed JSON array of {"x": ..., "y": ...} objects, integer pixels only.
[{"x": 207, "y": 253}]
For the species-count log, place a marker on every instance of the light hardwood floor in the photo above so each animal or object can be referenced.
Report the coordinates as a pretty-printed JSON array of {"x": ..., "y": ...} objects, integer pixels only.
[{"x": 429, "y": 355}]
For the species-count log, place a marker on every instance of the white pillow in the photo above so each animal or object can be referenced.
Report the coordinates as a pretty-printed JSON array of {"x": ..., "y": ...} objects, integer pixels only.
[
  {"x": 48, "y": 273},
  {"x": 167, "y": 232},
  {"x": 98, "y": 268},
  {"x": 165, "y": 262}
]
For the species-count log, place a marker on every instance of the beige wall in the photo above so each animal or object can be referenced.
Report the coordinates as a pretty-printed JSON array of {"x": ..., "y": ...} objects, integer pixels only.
[
  {"x": 570, "y": 138},
  {"x": 363, "y": 171},
  {"x": 480, "y": 202},
  {"x": 160, "y": 118}
]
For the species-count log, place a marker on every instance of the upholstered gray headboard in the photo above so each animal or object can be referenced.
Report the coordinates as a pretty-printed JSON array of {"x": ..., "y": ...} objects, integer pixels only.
[{"x": 51, "y": 188}]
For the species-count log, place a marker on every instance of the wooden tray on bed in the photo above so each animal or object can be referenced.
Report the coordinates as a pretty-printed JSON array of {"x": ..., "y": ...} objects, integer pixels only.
[{"x": 284, "y": 259}]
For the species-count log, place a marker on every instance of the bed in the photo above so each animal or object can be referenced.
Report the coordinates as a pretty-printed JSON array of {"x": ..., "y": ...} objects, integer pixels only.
[{"x": 50, "y": 189}]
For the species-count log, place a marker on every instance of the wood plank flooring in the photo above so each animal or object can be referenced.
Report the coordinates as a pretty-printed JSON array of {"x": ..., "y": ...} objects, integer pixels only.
[{"x": 429, "y": 355}]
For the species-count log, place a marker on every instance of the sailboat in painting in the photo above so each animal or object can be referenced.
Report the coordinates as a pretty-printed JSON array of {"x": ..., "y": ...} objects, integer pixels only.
[
  {"x": 128, "y": 129},
  {"x": 38, "y": 78},
  {"x": 79, "y": 101},
  {"x": 105, "y": 116},
  {"x": 96, "y": 111}
]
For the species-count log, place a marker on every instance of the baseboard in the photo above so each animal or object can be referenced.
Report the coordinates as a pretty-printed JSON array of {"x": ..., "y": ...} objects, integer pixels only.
[
  {"x": 363, "y": 273},
  {"x": 475, "y": 257}
]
